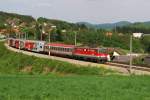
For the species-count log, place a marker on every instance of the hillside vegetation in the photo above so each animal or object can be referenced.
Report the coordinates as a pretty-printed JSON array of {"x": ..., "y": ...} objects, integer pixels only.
[
  {"x": 8, "y": 16},
  {"x": 65, "y": 32}
]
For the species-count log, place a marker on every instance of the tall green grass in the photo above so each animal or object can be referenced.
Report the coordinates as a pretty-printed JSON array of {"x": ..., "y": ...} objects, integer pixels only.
[
  {"x": 74, "y": 87},
  {"x": 11, "y": 62}
]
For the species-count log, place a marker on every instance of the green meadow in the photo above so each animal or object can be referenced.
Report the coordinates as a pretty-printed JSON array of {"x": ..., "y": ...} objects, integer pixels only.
[{"x": 25, "y": 77}]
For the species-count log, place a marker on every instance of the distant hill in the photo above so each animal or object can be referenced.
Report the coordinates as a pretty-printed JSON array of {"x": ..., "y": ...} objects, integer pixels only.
[
  {"x": 89, "y": 25},
  {"x": 141, "y": 24},
  {"x": 59, "y": 23},
  {"x": 5, "y": 16},
  {"x": 106, "y": 25}
]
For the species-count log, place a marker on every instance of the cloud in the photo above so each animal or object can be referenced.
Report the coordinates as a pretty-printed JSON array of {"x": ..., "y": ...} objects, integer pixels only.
[
  {"x": 42, "y": 5},
  {"x": 98, "y": 11}
]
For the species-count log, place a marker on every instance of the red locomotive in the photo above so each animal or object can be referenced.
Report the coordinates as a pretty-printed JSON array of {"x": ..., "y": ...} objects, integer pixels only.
[
  {"x": 60, "y": 49},
  {"x": 91, "y": 54}
]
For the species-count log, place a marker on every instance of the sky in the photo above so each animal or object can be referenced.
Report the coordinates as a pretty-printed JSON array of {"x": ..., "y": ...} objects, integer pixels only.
[{"x": 93, "y": 11}]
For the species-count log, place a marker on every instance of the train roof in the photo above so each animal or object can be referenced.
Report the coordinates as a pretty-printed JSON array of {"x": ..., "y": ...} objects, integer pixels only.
[
  {"x": 86, "y": 47},
  {"x": 34, "y": 41},
  {"x": 60, "y": 45},
  {"x": 26, "y": 40}
]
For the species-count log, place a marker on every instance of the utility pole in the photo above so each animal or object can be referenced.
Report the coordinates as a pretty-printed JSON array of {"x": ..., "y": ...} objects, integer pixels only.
[
  {"x": 49, "y": 37},
  {"x": 52, "y": 27},
  {"x": 75, "y": 39},
  {"x": 130, "y": 69},
  {"x": 49, "y": 42},
  {"x": 19, "y": 40},
  {"x": 41, "y": 35}
]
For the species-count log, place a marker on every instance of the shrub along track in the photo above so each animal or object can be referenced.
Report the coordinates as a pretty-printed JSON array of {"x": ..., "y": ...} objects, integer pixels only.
[{"x": 123, "y": 70}]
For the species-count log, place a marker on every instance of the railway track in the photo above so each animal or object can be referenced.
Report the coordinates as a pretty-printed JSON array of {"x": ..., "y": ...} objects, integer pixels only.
[
  {"x": 128, "y": 66},
  {"x": 121, "y": 68}
]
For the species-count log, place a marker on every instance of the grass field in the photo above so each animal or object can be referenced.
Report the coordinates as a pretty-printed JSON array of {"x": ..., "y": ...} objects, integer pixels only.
[
  {"x": 52, "y": 87},
  {"x": 25, "y": 78}
]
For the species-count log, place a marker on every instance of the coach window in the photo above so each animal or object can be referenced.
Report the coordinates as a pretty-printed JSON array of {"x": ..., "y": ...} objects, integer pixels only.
[
  {"x": 64, "y": 49},
  {"x": 68, "y": 49}
]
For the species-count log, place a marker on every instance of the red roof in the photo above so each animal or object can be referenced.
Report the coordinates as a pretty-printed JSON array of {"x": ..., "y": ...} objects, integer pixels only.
[{"x": 60, "y": 45}]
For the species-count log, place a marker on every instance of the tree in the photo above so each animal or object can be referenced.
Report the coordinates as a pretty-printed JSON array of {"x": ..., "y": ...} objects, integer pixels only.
[{"x": 146, "y": 43}]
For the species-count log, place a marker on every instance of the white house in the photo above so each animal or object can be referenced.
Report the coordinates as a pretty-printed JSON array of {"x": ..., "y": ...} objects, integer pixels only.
[
  {"x": 137, "y": 35},
  {"x": 116, "y": 54},
  {"x": 2, "y": 36}
]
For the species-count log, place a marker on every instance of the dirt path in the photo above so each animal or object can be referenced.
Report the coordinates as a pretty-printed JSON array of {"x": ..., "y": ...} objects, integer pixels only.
[{"x": 84, "y": 63}]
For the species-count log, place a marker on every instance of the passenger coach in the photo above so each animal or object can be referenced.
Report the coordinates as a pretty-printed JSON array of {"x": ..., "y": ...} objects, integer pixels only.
[{"x": 59, "y": 49}]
